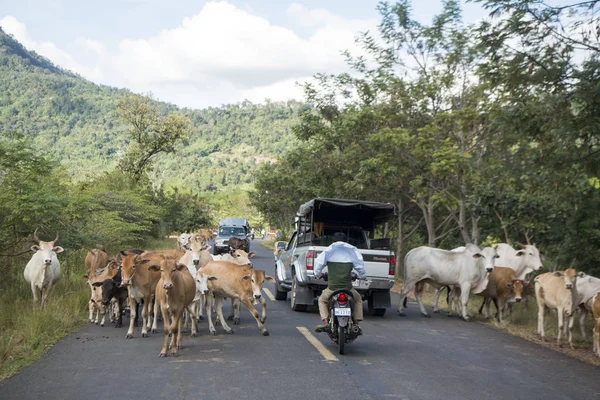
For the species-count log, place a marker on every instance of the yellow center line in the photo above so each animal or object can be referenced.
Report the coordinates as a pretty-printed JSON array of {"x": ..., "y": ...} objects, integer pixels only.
[
  {"x": 269, "y": 294},
  {"x": 328, "y": 355}
]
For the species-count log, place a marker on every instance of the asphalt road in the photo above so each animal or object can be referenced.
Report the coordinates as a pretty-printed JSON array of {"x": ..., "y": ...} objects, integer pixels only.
[{"x": 396, "y": 358}]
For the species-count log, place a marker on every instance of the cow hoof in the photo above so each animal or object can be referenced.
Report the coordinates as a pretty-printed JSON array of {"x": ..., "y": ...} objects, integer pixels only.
[
  {"x": 214, "y": 333},
  {"x": 450, "y": 315},
  {"x": 102, "y": 325},
  {"x": 118, "y": 325},
  {"x": 194, "y": 334},
  {"x": 154, "y": 330},
  {"x": 162, "y": 355},
  {"x": 401, "y": 314},
  {"x": 231, "y": 332},
  {"x": 426, "y": 315},
  {"x": 144, "y": 334},
  {"x": 96, "y": 323},
  {"x": 263, "y": 320},
  {"x": 467, "y": 319},
  {"x": 230, "y": 318},
  {"x": 128, "y": 336},
  {"x": 436, "y": 311},
  {"x": 236, "y": 321},
  {"x": 265, "y": 333}
]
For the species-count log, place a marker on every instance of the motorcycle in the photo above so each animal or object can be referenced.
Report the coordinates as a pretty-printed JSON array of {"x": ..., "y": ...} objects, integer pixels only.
[{"x": 342, "y": 327}]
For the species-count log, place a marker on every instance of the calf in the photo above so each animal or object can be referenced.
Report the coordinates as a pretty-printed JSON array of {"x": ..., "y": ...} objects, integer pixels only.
[
  {"x": 196, "y": 256},
  {"x": 141, "y": 283},
  {"x": 595, "y": 306},
  {"x": 95, "y": 305},
  {"x": 112, "y": 289},
  {"x": 503, "y": 286},
  {"x": 237, "y": 282},
  {"x": 236, "y": 244},
  {"x": 558, "y": 291},
  {"x": 175, "y": 291}
]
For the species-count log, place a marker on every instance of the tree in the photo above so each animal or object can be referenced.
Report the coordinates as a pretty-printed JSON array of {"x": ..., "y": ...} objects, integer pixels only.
[{"x": 150, "y": 133}]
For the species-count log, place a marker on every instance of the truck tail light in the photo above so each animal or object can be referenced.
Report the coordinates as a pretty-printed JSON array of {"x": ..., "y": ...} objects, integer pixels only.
[
  {"x": 342, "y": 299},
  {"x": 310, "y": 260},
  {"x": 392, "y": 265}
]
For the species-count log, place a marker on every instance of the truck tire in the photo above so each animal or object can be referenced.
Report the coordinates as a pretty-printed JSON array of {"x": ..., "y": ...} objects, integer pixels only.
[
  {"x": 295, "y": 306},
  {"x": 280, "y": 294},
  {"x": 372, "y": 311}
]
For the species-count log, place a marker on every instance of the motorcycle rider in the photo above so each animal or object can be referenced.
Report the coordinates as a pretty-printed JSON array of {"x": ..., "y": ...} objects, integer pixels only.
[{"x": 340, "y": 258}]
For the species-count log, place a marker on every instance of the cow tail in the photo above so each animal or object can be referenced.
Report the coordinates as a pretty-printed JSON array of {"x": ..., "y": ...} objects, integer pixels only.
[{"x": 448, "y": 295}]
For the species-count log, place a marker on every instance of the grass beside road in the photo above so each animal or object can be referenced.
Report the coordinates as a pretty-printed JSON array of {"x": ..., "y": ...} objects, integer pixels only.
[
  {"x": 26, "y": 331},
  {"x": 522, "y": 323}
]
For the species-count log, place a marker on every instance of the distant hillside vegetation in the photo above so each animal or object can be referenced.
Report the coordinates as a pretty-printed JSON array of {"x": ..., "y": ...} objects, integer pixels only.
[{"x": 73, "y": 120}]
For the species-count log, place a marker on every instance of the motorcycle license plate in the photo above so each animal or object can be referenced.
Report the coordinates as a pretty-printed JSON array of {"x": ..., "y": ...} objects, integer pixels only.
[{"x": 342, "y": 312}]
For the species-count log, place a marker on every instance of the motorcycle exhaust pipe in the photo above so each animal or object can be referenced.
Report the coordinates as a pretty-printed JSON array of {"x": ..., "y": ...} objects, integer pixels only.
[{"x": 355, "y": 329}]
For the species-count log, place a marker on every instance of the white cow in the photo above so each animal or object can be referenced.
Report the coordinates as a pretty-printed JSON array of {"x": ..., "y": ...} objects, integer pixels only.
[
  {"x": 184, "y": 240},
  {"x": 587, "y": 287},
  {"x": 43, "y": 269},
  {"x": 467, "y": 269},
  {"x": 196, "y": 256},
  {"x": 523, "y": 261}
]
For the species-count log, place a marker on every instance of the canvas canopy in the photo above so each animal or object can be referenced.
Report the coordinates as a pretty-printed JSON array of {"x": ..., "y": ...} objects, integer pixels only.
[{"x": 365, "y": 214}]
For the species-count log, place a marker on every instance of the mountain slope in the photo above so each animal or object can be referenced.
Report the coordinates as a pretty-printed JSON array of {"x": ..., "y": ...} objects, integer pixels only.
[{"x": 73, "y": 121}]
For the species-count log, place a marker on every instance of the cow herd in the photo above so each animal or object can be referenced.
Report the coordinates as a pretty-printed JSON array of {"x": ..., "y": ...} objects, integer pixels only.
[
  {"x": 503, "y": 275},
  {"x": 187, "y": 282},
  {"x": 181, "y": 283}
]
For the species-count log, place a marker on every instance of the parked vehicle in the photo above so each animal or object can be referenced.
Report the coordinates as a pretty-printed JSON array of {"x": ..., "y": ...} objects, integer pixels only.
[
  {"x": 232, "y": 228},
  {"x": 316, "y": 222}
]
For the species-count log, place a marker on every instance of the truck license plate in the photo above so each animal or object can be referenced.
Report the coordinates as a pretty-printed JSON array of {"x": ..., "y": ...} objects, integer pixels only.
[{"x": 342, "y": 312}]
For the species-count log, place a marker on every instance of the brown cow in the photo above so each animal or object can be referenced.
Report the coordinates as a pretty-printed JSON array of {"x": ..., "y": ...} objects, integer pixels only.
[
  {"x": 236, "y": 244},
  {"x": 557, "y": 290},
  {"x": 237, "y": 282},
  {"x": 95, "y": 260},
  {"x": 503, "y": 286},
  {"x": 596, "y": 313},
  {"x": 141, "y": 283},
  {"x": 175, "y": 291}
]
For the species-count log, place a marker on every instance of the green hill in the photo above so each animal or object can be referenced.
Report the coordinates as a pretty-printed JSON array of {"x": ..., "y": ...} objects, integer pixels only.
[{"x": 73, "y": 121}]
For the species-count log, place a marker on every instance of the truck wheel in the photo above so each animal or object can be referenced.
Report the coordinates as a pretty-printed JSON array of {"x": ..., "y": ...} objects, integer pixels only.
[
  {"x": 279, "y": 294},
  {"x": 295, "y": 306},
  {"x": 374, "y": 312}
]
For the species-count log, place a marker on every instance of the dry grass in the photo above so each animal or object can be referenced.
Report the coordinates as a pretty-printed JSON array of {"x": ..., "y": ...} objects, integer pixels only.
[{"x": 523, "y": 323}]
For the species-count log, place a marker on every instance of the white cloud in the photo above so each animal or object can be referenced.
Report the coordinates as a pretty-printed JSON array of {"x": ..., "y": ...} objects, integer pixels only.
[{"x": 222, "y": 54}]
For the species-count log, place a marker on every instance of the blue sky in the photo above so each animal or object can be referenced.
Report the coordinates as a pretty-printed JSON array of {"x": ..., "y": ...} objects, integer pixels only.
[{"x": 200, "y": 53}]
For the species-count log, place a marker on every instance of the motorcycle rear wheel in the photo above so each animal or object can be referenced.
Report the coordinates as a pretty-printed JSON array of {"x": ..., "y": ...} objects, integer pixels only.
[{"x": 341, "y": 339}]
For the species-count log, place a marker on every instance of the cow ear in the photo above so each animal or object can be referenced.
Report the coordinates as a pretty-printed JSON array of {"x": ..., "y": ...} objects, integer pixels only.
[
  {"x": 477, "y": 255},
  {"x": 580, "y": 274},
  {"x": 85, "y": 277},
  {"x": 558, "y": 273},
  {"x": 509, "y": 285},
  {"x": 251, "y": 254},
  {"x": 496, "y": 247},
  {"x": 212, "y": 278},
  {"x": 206, "y": 247},
  {"x": 246, "y": 277},
  {"x": 143, "y": 261},
  {"x": 153, "y": 267},
  {"x": 34, "y": 248},
  {"x": 97, "y": 284},
  {"x": 181, "y": 266},
  {"x": 269, "y": 279},
  {"x": 520, "y": 253},
  {"x": 58, "y": 249}
]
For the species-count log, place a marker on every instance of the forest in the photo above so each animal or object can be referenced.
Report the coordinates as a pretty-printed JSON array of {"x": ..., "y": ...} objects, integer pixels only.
[{"x": 481, "y": 133}]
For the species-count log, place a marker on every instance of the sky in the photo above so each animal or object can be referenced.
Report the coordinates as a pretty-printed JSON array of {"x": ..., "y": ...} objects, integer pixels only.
[{"x": 196, "y": 53}]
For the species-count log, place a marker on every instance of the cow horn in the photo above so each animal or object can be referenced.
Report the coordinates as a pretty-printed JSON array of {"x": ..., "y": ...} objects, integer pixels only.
[
  {"x": 35, "y": 236},
  {"x": 520, "y": 244},
  {"x": 56, "y": 239}
]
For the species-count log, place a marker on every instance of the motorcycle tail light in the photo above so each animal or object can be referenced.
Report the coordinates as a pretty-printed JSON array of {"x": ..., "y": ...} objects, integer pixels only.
[{"x": 342, "y": 298}]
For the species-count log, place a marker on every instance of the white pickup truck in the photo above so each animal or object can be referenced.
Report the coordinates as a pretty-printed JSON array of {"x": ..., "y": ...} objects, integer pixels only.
[{"x": 316, "y": 222}]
